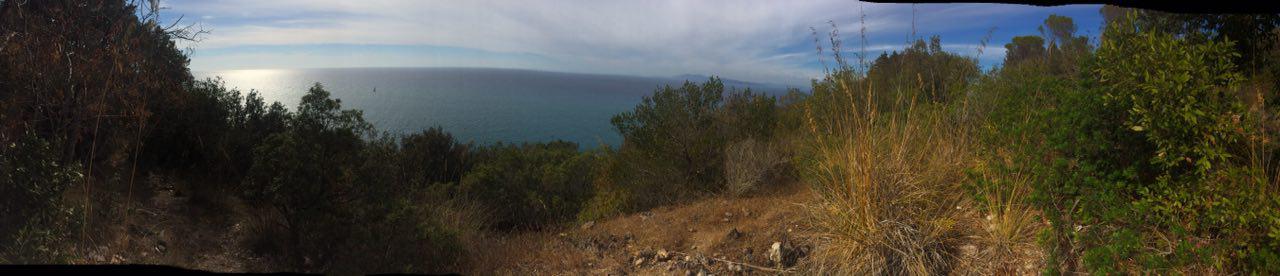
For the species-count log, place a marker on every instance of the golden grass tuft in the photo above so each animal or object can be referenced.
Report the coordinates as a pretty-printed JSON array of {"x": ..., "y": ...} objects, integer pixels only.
[
  {"x": 1006, "y": 243},
  {"x": 888, "y": 187}
]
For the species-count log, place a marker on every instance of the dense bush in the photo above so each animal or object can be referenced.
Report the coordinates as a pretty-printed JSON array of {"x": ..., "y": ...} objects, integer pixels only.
[
  {"x": 1150, "y": 162},
  {"x": 924, "y": 70},
  {"x": 37, "y": 224},
  {"x": 1178, "y": 95},
  {"x": 531, "y": 185},
  {"x": 348, "y": 200},
  {"x": 676, "y": 130},
  {"x": 433, "y": 156},
  {"x": 62, "y": 73},
  {"x": 746, "y": 115},
  {"x": 674, "y": 144},
  {"x": 214, "y": 130},
  {"x": 1027, "y": 48},
  {"x": 309, "y": 175},
  {"x": 399, "y": 226},
  {"x": 80, "y": 83}
]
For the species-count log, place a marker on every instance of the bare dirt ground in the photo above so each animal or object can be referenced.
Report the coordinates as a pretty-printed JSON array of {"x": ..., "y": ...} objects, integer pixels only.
[
  {"x": 718, "y": 235},
  {"x": 163, "y": 226}
]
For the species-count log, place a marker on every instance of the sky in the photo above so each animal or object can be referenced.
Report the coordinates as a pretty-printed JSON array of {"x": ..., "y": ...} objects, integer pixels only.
[{"x": 752, "y": 40}]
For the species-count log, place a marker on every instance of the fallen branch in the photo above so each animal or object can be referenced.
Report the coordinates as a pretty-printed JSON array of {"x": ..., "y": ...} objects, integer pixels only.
[{"x": 740, "y": 263}]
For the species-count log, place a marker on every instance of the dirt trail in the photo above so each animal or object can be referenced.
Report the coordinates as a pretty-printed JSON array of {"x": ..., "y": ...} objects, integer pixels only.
[
  {"x": 709, "y": 231},
  {"x": 164, "y": 226}
]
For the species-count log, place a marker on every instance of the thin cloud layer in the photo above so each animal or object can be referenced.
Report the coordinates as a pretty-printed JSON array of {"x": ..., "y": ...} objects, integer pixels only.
[{"x": 752, "y": 40}]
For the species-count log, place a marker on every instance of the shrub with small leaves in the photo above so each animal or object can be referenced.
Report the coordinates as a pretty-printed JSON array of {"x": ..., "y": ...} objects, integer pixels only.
[{"x": 35, "y": 223}]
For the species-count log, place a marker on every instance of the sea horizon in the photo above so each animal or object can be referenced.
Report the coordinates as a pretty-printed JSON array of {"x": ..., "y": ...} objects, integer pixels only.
[{"x": 476, "y": 104}]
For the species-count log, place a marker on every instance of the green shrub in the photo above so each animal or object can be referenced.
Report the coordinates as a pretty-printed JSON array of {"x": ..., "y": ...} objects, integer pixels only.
[
  {"x": 608, "y": 201},
  {"x": 36, "y": 224},
  {"x": 614, "y": 194},
  {"x": 1179, "y": 95},
  {"x": 408, "y": 233},
  {"x": 531, "y": 185},
  {"x": 308, "y": 175},
  {"x": 674, "y": 141},
  {"x": 677, "y": 128},
  {"x": 433, "y": 156},
  {"x": 746, "y": 115},
  {"x": 211, "y": 135},
  {"x": 1150, "y": 175},
  {"x": 924, "y": 70}
]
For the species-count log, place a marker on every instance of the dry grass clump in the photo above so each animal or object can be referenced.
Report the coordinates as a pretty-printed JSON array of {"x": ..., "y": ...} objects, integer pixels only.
[
  {"x": 750, "y": 163},
  {"x": 888, "y": 187},
  {"x": 1006, "y": 243}
]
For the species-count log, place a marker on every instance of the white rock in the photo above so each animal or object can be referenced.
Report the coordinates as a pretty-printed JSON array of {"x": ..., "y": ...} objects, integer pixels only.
[
  {"x": 775, "y": 252},
  {"x": 662, "y": 255}
]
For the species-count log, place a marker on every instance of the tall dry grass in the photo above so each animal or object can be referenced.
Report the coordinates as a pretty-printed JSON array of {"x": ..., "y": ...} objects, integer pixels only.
[
  {"x": 1006, "y": 241},
  {"x": 749, "y": 164},
  {"x": 888, "y": 185}
]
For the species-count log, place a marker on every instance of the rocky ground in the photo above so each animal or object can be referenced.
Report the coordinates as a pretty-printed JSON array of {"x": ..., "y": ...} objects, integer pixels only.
[{"x": 763, "y": 234}]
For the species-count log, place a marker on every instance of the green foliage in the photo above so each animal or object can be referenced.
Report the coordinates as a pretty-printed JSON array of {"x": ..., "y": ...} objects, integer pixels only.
[
  {"x": 1178, "y": 94},
  {"x": 433, "y": 156},
  {"x": 608, "y": 201},
  {"x": 1022, "y": 49},
  {"x": 1146, "y": 173},
  {"x": 80, "y": 84},
  {"x": 926, "y": 69},
  {"x": 36, "y": 224},
  {"x": 531, "y": 185},
  {"x": 308, "y": 175},
  {"x": 675, "y": 141},
  {"x": 353, "y": 201},
  {"x": 1254, "y": 34},
  {"x": 1058, "y": 49},
  {"x": 677, "y": 130},
  {"x": 409, "y": 238},
  {"x": 748, "y": 115},
  {"x": 212, "y": 134}
]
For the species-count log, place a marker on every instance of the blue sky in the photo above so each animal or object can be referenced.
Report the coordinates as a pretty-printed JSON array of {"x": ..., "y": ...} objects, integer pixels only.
[{"x": 753, "y": 40}]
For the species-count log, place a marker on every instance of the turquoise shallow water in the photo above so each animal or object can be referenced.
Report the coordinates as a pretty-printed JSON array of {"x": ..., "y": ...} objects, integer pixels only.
[{"x": 475, "y": 104}]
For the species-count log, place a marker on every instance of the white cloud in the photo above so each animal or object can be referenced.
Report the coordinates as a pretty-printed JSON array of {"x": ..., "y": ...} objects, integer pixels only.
[{"x": 751, "y": 40}]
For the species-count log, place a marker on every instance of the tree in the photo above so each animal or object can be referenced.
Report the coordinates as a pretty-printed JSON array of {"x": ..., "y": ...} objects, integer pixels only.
[
  {"x": 923, "y": 68},
  {"x": 1023, "y": 49},
  {"x": 1064, "y": 48},
  {"x": 433, "y": 156},
  {"x": 677, "y": 128},
  {"x": 1255, "y": 34},
  {"x": 748, "y": 115},
  {"x": 308, "y": 175}
]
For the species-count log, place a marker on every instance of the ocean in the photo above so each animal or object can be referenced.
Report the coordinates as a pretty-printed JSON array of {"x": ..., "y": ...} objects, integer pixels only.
[{"x": 482, "y": 105}]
